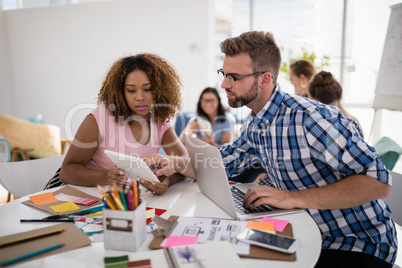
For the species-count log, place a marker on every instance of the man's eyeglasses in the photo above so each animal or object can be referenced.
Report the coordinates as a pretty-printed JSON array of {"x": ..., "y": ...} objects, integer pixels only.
[{"x": 232, "y": 79}]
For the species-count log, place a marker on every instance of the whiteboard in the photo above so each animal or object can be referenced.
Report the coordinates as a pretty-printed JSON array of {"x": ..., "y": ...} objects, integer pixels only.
[{"x": 388, "y": 93}]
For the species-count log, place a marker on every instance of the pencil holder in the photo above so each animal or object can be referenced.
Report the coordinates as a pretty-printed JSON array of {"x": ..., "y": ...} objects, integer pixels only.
[{"x": 124, "y": 230}]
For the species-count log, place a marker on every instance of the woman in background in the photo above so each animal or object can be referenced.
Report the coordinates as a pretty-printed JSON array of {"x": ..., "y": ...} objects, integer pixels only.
[
  {"x": 139, "y": 96},
  {"x": 324, "y": 88},
  {"x": 212, "y": 124},
  {"x": 301, "y": 72}
]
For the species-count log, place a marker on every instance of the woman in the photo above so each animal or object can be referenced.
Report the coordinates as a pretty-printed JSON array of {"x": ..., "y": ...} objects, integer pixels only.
[
  {"x": 301, "y": 72},
  {"x": 212, "y": 125},
  {"x": 324, "y": 88},
  {"x": 137, "y": 99}
]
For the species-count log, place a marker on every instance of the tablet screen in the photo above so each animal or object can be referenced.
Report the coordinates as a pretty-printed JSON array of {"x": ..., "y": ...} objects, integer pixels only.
[{"x": 133, "y": 166}]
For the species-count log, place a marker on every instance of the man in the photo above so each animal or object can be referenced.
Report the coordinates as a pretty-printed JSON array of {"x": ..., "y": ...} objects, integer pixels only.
[{"x": 313, "y": 158}]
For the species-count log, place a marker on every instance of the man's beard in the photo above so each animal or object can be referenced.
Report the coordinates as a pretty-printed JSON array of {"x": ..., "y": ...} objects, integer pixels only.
[{"x": 240, "y": 101}]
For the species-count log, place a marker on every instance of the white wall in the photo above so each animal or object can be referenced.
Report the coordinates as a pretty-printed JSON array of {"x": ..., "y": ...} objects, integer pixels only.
[
  {"x": 58, "y": 56},
  {"x": 6, "y": 95}
]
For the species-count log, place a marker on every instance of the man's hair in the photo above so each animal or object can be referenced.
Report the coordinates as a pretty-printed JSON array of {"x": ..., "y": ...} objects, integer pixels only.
[
  {"x": 302, "y": 67},
  {"x": 260, "y": 46},
  {"x": 324, "y": 88}
]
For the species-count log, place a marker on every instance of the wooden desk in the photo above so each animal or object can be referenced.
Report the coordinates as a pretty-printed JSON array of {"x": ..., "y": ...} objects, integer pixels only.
[{"x": 182, "y": 199}]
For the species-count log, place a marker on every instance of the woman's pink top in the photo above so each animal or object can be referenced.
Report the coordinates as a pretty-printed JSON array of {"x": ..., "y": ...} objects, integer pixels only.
[{"x": 118, "y": 137}]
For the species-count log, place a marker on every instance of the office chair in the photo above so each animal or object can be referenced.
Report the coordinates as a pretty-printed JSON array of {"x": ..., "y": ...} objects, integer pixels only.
[
  {"x": 394, "y": 201},
  {"x": 26, "y": 177}
]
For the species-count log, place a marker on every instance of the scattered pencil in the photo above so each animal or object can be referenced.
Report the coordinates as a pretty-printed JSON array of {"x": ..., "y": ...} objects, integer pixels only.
[
  {"x": 29, "y": 238},
  {"x": 23, "y": 257}
]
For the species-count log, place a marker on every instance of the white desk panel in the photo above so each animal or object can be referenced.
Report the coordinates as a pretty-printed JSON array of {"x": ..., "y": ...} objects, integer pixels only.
[{"x": 181, "y": 199}]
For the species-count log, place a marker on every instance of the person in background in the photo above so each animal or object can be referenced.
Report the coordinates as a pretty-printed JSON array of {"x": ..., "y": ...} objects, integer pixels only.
[
  {"x": 139, "y": 96},
  {"x": 212, "y": 124},
  {"x": 313, "y": 159},
  {"x": 300, "y": 72},
  {"x": 326, "y": 89}
]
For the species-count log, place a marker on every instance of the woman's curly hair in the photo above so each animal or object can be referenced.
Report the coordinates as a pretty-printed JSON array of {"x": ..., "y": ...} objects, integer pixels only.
[{"x": 165, "y": 84}]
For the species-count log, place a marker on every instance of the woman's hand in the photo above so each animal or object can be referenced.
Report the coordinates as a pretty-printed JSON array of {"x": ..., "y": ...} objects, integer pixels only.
[
  {"x": 160, "y": 164},
  {"x": 116, "y": 176},
  {"x": 192, "y": 128},
  {"x": 156, "y": 187},
  {"x": 209, "y": 138},
  {"x": 167, "y": 164}
]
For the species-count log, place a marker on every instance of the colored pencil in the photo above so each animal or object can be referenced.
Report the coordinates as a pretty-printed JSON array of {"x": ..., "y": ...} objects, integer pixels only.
[
  {"x": 23, "y": 257},
  {"x": 129, "y": 199},
  {"x": 138, "y": 193},
  {"x": 115, "y": 191},
  {"x": 118, "y": 201},
  {"x": 123, "y": 199},
  {"x": 46, "y": 220},
  {"x": 29, "y": 238},
  {"x": 96, "y": 214},
  {"x": 135, "y": 194},
  {"x": 105, "y": 205},
  {"x": 106, "y": 199},
  {"x": 112, "y": 204}
]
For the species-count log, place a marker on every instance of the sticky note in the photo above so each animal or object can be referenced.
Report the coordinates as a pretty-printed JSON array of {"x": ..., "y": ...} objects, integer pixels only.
[
  {"x": 42, "y": 199},
  {"x": 263, "y": 226},
  {"x": 157, "y": 211},
  {"x": 68, "y": 206},
  {"x": 150, "y": 213},
  {"x": 76, "y": 199},
  {"x": 172, "y": 241},
  {"x": 279, "y": 225}
]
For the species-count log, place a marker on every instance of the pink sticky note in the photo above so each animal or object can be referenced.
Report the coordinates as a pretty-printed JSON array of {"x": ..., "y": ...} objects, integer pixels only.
[
  {"x": 180, "y": 241},
  {"x": 279, "y": 225}
]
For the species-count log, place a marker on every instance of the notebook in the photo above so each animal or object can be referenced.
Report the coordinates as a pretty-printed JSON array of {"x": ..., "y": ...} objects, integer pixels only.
[
  {"x": 217, "y": 254},
  {"x": 255, "y": 251},
  {"x": 211, "y": 176}
]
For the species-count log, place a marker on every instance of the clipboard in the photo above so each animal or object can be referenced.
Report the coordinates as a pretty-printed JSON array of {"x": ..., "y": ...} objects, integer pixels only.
[
  {"x": 68, "y": 190},
  {"x": 72, "y": 237},
  {"x": 255, "y": 251}
]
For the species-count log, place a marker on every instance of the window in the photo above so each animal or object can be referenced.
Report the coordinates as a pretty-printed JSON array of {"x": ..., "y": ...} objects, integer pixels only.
[
  {"x": 317, "y": 26},
  {"x": 18, "y": 4}
]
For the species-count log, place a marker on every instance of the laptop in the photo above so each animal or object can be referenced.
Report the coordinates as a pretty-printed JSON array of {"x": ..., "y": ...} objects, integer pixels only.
[{"x": 211, "y": 176}]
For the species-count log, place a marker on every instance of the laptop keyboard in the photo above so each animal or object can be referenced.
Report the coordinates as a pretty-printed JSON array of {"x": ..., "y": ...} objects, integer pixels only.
[{"x": 238, "y": 197}]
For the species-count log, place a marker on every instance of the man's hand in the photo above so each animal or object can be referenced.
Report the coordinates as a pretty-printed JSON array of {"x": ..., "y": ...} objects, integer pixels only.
[
  {"x": 259, "y": 195},
  {"x": 349, "y": 192}
]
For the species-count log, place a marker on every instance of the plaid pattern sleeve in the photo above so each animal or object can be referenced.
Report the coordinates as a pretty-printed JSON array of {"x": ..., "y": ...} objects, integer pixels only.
[
  {"x": 303, "y": 144},
  {"x": 239, "y": 154}
]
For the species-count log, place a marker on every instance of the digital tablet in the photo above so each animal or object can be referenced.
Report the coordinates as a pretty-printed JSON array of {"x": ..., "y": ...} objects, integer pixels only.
[{"x": 133, "y": 166}]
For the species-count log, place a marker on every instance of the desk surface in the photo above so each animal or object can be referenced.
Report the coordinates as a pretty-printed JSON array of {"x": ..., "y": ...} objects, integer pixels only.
[{"x": 182, "y": 199}]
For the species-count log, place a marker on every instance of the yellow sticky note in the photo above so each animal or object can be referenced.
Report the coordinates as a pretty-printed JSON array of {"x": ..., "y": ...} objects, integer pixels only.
[
  {"x": 68, "y": 206},
  {"x": 150, "y": 213},
  {"x": 259, "y": 225}
]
